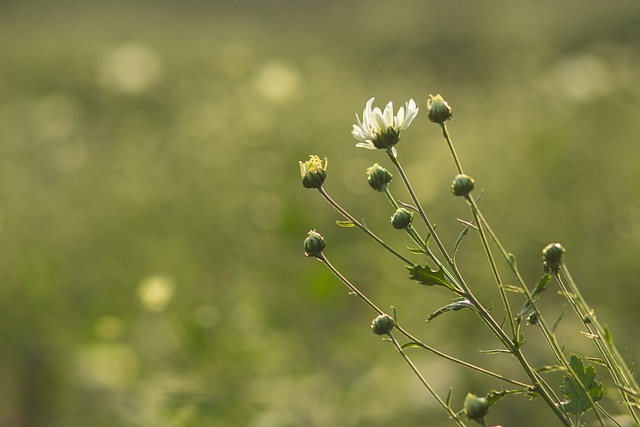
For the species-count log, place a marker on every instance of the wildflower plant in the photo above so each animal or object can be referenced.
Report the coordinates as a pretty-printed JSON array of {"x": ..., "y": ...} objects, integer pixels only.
[{"x": 519, "y": 310}]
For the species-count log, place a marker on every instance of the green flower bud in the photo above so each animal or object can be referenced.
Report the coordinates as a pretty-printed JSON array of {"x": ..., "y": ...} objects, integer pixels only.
[
  {"x": 475, "y": 407},
  {"x": 552, "y": 256},
  {"x": 313, "y": 172},
  {"x": 378, "y": 177},
  {"x": 382, "y": 324},
  {"x": 532, "y": 319},
  {"x": 401, "y": 219},
  {"x": 438, "y": 110},
  {"x": 314, "y": 244},
  {"x": 462, "y": 185}
]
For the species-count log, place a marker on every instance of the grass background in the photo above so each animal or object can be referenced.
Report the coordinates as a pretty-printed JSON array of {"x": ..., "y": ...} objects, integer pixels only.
[{"x": 152, "y": 218}]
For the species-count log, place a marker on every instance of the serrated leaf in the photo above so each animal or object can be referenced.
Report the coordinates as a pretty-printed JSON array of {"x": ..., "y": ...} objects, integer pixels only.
[
  {"x": 578, "y": 401},
  {"x": 426, "y": 276},
  {"x": 454, "y": 306},
  {"x": 346, "y": 224}
]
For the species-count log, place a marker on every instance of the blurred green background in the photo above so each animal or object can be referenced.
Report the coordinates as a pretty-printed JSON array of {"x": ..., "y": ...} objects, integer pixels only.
[{"x": 152, "y": 217}]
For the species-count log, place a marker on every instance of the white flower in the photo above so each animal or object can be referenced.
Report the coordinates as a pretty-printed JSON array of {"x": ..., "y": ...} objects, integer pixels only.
[{"x": 381, "y": 129}]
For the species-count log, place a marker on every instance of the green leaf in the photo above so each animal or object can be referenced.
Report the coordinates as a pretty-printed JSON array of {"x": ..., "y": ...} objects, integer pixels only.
[
  {"x": 410, "y": 344},
  {"x": 346, "y": 224},
  {"x": 454, "y": 306},
  {"x": 511, "y": 259},
  {"x": 512, "y": 288},
  {"x": 578, "y": 401},
  {"x": 395, "y": 315},
  {"x": 542, "y": 285},
  {"x": 496, "y": 351},
  {"x": 418, "y": 251},
  {"x": 550, "y": 368},
  {"x": 426, "y": 276}
]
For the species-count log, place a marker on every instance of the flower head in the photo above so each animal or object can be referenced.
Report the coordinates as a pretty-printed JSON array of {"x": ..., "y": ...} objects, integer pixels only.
[
  {"x": 378, "y": 177},
  {"x": 314, "y": 244},
  {"x": 438, "y": 110},
  {"x": 313, "y": 172},
  {"x": 381, "y": 129}
]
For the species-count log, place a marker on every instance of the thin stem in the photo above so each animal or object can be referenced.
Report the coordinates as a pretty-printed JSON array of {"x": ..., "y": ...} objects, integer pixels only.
[
  {"x": 447, "y": 137},
  {"x": 549, "y": 336},
  {"x": 354, "y": 290},
  {"x": 349, "y": 285},
  {"x": 545, "y": 390},
  {"x": 616, "y": 365},
  {"x": 424, "y": 382},
  {"x": 492, "y": 263},
  {"x": 355, "y": 222}
]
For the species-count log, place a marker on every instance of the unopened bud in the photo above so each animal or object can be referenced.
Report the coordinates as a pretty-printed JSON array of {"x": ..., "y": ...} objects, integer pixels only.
[
  {"x": 552, "y": 256},
  {"x": 314, "y": 244},
  {"x": 401, "y": 219},
  {"x": 462, "y": 185},
  {"x": 382, "y": 324},
  {"x": 378, "y": 177},
  {"x": 475, "y": 407},
  {"x": 438, "y": 110}
]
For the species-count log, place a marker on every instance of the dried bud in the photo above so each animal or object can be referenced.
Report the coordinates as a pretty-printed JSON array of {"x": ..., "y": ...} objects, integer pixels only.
[
  {"x": 438, "y": 110},
  {"x": 401, "y": 219},
  {"x": 378, "y": 177},
  {"x": 382, "y": 324},
  {"x": 313, "y": 172},
  {"x": 462, "y": 185},
  {"x": 314, "y": 244},
  {"x": 475, "y": 407},
  {"x": 552, "y": 256}
]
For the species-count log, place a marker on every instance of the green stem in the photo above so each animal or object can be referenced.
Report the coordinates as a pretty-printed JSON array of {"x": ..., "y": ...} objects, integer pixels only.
[
  {"x": 424, "y": 382},
  {"x": 549, "y": 336},
  {"x": 355, "y": 291},
  {"x": 355, "y": 222},
  {"x": 545, "y": 390},
  {"x": 492, "y": 263},
  {"x": 616, "y": 365},
  {"x": 447, "y": 137}
]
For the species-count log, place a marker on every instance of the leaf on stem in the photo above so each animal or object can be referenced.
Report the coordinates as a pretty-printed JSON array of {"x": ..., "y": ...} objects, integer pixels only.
[
  {"x": 410, "y": 344},
  {"x": 426, "y": 276},
  {"x": 417, "y": 251},
  {"x": 578, "y": 401},
  {"x": 454, "y": 306},
  {"x": 346, "y": 224}
]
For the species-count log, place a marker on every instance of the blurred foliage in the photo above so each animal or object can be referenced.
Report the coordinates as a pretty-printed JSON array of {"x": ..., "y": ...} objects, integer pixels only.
[{"x": 152, "y": 218}]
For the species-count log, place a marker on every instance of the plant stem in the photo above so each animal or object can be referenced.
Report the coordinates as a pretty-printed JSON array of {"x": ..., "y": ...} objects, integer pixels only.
[
  {"x": 545, "y": 390},
  {"x": 424, "y": 382},
  {"x": 354, "y": 290},
  {"x": 355, "y": 222},
  {"x": 447, "y": 137}
]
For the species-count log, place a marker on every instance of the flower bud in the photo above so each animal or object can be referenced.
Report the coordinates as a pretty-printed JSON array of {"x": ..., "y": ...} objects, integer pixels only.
[
  {"x": 532, "y": 319},
  {"x": 382, "y": 324},
  {"x": 401, "y": 219},
  {"x": 314, "y": 244},
  {"x": 438, "y": 110},
  {"x": 475, "y": 407},
  {"x": 313, "y": 172},
  {"x": 462, "y": 185},
  {"x": 552, "y": 256},
  {"x": 378, "y": 177}
]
